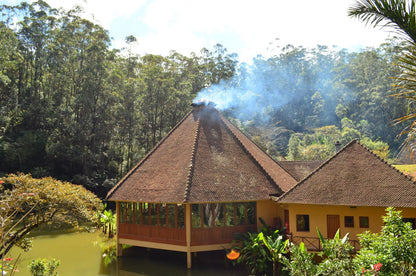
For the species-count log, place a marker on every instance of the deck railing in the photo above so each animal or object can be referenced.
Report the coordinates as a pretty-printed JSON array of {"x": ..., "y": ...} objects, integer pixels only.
[{"x": 314, "y": 243}]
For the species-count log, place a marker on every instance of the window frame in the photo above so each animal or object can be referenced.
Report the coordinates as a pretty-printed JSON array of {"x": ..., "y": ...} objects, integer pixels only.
[
  {"x": 349, "y": 224},
  {"x": 306, "y": 227},
  {"x": 367, "y": 224}
]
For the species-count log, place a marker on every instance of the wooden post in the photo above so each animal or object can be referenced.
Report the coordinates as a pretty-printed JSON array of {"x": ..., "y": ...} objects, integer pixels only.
[
  {"x": 119, "y": 249},
  {"x": 188, "y": 235}
]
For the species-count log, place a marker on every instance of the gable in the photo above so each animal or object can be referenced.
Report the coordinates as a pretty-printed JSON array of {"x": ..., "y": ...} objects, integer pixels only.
[{"x": 354, "y": 176}]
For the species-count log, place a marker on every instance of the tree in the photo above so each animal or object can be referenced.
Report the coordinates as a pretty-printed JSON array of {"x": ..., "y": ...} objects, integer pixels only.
[
  {"x": 27, "y": 203},
  {"x": 401, "y": 16},
  {"x": 394, "y": 247},
  {"x": 398, "y": 14}
]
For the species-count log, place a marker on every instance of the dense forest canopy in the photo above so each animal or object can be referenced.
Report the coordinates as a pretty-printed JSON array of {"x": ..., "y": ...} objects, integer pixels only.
[{"x": 74, "y": 108}]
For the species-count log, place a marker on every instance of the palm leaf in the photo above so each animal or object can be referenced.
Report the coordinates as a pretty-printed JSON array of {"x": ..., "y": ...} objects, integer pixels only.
[{"x": 397, "y": 14}]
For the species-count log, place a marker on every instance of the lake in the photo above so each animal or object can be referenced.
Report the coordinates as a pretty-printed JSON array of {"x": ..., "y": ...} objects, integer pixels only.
[{"x": 79, "y": 254}]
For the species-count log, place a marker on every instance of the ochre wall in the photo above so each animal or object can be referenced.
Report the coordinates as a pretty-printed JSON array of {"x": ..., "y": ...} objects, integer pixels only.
[
  {"x": 318, "y": 218},
  {"x": 268, "y": 210}
]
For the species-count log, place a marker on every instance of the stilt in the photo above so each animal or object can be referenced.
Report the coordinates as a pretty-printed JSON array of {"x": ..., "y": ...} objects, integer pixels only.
[{"x": 188, "y": 235}]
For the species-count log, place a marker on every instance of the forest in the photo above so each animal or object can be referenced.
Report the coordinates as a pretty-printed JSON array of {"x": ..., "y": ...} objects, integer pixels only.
[{"x": 75, "y": 108}]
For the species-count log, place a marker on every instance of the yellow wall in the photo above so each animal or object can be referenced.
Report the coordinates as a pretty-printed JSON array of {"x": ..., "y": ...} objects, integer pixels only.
[
  {"x": 318, "y": 218},
  {"x": 268, "y": 210}
]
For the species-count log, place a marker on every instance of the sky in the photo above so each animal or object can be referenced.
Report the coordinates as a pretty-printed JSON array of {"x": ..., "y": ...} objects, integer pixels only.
[{"x": 246, "y": 27}]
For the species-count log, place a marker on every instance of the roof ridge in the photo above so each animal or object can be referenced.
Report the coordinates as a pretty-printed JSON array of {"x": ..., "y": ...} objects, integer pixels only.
[
  {"x": 147, "y": 155},
  {"x": 192, "y": 162},
  {"x": 249, "y": 153},
  {"x": 336, "y": 154},
  {"x": 317, "y": 169},
  {"x": 385, "y": 162}
]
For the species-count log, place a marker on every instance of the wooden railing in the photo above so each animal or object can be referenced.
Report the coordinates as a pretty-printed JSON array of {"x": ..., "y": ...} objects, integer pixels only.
[
  {"x": 152, "y": 233},
  {"x": 215, "y": 235},
  {"x": 314, "y": 243}
]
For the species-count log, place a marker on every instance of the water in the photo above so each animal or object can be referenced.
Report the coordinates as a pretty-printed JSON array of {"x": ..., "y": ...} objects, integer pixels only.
[{"x": 79, "y": 254}]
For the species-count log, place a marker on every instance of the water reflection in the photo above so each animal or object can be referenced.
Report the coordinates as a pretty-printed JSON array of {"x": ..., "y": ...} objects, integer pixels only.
[
  {"x": 80, "y": 255},
  {"x": 139, "y": 261}
]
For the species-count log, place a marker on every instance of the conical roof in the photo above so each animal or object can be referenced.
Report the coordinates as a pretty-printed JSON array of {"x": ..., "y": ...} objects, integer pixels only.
[
  {"x": 354, "y": 176},
  {"x": 204, "y": 158}
]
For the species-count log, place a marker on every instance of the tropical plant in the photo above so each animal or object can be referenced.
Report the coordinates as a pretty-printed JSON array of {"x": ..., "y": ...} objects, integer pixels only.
[
  {"x": 398, "y": 14},
  {"x": 277, "y": 246},
  {"x": 43, "y": 267},
  {"x": 108, "y": 222},
  {"x": 254, "y": 255},
  {"x": 338, "y": 256},
  {"x": 299, "y": 261}
]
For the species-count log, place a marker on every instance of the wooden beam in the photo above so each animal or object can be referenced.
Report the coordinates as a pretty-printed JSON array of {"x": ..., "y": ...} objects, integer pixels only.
[
  {"x": 119, "y": 249},
  {"x": 188, "y": 227}
]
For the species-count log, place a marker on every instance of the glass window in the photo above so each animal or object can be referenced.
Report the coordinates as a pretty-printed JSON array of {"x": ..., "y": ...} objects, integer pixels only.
[
  {"x": 181, "y": 216},
  {"x": 208, "y": 216},
  {"x": 153, "y": 214},
  {"x": 219, "y": 214},
  {"x": 251, "y": 212},
  {"x": 129, "y": 209},
  {"x": 146, "y": 213},
  {"x": 162, "y": 215},
  {"x": 364, "y": 222},
  {"x": 229, "y": 214},
  {"x": 138, "y": 213},
  {"x": 122, "y": 206},
  {"x": 302, "y": 223},
  {"x": 349, "y": 221},
  {"x": 172, "y": 215},
  {"x": 196, "y": 215},
  {"x": 241, "y": 213}
]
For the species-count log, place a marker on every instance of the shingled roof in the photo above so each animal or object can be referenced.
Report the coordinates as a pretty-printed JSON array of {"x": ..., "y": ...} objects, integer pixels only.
[
  {"x": 300, "y": 169},
  {"x": 354, "y": 176},
  {"x": 204, "y": 158}
]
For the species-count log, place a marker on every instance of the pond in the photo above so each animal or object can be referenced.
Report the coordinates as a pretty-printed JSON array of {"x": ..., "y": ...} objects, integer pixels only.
[{"x": 79, "y": 254}]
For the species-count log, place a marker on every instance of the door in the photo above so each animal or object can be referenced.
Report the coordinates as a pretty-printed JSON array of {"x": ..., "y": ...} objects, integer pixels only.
[
  {"x": 332, "y": 222},
  {"x": 286, "y": 219}
]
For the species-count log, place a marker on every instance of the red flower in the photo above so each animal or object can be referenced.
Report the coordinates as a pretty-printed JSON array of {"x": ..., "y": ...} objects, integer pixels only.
[
  {"x": 377, "y": 267},
  {"x": 1, "y": 181},
  {"x": 8, "y": 259}
]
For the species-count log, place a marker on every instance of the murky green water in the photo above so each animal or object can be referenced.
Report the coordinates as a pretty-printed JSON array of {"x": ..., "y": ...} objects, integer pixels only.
[{"x": 79, "y": 255}]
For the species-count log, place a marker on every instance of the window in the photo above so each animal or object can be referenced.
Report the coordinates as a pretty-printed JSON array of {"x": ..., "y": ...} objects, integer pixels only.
[
  {"x": 364, "y": 223},
  {"x": 349, "y": 221},
  {"x": 302, "y": 223}
]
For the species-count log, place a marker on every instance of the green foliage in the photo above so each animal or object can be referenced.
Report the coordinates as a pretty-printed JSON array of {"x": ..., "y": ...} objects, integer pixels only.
[
  {"x": 277, "y": 246},
  {"x": 43, "y": 267},
  {"x": 254, "y": 255},
  {"x": 337, "y": 256},
  {"x": 27, "y": 203},
  {"x": 300, "y": 261},
  {"x": 394, "y": 247},
  {"x": 108, "y": 222}
]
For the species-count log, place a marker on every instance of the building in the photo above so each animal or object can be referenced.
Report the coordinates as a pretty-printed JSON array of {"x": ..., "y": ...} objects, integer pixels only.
[
  {"x": 206, "y": 180},
  {"x": 199, "y": 185},
  {"x": 350, "y": 191}
]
